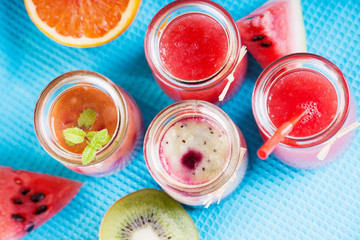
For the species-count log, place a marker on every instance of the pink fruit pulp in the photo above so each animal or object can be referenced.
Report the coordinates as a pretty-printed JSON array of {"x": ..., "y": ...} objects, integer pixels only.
[
  {"x": 19, "y": 186},
  {"x": 193, "y": 46},
  {"x": 273, "y": 30},
  {"x": 301, "y": 90}
]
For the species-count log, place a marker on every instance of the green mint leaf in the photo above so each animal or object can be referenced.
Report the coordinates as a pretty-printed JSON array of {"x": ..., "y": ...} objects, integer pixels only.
[
  {"x": 87, "y": 118},
  {"x": 100, "y": 138},
  {"x": 90, "y": 135},
  {"x": 69, "y": 143},
  {"x": 88, "y": 154},
  {"x": 74, "y": 135},
  {"x": 97, "y": 140},
  {"x": 97, "y": 146},
  {"x": 108, "y": 139}
]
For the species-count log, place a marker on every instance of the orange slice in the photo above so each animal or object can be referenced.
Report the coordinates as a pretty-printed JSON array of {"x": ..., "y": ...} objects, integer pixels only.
[{"x": 82, "y": 23}]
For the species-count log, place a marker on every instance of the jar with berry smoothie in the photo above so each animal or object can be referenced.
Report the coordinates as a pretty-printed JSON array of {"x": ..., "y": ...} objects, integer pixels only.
[
  {"x": 195, "y": 152},
  {"x": 194, "y": 50},
  {"x": 88, "y": 123},
  {"x": 305, "y": 82}
]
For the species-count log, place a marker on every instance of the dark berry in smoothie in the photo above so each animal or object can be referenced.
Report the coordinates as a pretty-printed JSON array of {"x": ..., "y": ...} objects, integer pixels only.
[{"x": 191, "y": 159}]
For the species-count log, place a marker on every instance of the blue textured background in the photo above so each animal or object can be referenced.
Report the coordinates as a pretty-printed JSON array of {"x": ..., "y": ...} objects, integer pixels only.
[{"x": 273, "y": 202}]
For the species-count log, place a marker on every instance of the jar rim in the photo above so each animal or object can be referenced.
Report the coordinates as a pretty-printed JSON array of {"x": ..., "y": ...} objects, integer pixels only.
[
  {"x": 45, "y": 102},
  {"x": 302, "y": 61},
  {"x": 175, "y": 113},
  {"x": 152, "y": 49}
]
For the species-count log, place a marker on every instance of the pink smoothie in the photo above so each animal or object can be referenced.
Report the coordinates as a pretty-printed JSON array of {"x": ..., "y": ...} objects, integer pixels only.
[
  {"x": 194, "y": 151},
  {"x": 298, "y": 91},
  {"x": 193, "y": 46}
]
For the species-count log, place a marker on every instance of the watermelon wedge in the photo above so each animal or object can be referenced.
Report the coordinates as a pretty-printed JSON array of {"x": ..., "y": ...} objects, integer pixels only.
[
  {"x": 29, "y": 199},
  {"x": 274, "y": 30}
]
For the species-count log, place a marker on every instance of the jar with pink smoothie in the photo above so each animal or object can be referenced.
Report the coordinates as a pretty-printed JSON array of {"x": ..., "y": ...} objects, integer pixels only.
[
  {"x": 194, "y": 50},
  {"x": 195, "y": 152},
  {"x": 59, "y": 108},
  {"x": 305, "y": 82}
]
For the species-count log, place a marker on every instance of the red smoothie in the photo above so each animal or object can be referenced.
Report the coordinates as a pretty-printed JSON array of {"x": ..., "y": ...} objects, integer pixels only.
[
  {"x": 195, "y": 52},
  {"x": 297, "y": 91},
  {"x": 193, "y": 46},
  {"x": 298, "y": 83}
]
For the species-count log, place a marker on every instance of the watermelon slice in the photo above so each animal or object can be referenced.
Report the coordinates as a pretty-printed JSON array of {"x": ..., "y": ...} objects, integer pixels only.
[
  {"x": 29, "y": 199},
  {"x": 274, "y": 30}
]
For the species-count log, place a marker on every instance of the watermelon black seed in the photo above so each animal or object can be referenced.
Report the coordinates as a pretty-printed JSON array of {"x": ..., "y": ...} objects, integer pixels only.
[
  {"x": 258, "y": 38},
  {"x": 17, "y": 201},
  {"x": 25, "y": 191},
  {"x": 41, "y": 209},
  {"x": 18, "y": 217},
  {"x": 266, "y": 44},
  {"x": 29, "y": 227},
  {"x": 37, "y": 197}
]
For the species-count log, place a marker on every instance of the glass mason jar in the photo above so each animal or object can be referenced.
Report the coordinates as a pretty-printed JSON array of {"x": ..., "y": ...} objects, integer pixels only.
[
  {"x": 125, "y": 142},
  {"x": 228, "y": 78},
  {"x": 208, "y": 191},
  {"x": 323, "y": 147}
]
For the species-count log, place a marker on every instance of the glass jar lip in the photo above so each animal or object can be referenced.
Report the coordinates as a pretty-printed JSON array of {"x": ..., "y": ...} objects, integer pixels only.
[
  {"x": 264, "y": 80},
  {"x": 229, "y": 63},
  {"x": 74, "y": 78},
  {"x": 164, "y": 120}
]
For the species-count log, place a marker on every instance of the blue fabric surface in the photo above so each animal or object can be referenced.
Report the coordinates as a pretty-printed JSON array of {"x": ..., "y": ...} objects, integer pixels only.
[{"x": 273, "y": 202}]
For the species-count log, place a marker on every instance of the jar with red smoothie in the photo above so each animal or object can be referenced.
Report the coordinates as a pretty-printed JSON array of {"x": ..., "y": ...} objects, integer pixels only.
[
  {"x": 79, "y": 104},
  {"x": 194, "y": 50},
  {"x": 195, "y": 152},
  {"x": 305, "y": 82}
]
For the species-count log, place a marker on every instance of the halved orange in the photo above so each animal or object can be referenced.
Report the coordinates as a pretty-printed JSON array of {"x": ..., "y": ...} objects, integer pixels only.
[{"x": 82, "y": 23}]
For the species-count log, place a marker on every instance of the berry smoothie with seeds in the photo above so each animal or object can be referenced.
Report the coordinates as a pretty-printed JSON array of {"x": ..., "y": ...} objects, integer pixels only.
[{"x": 194, "y": 151}]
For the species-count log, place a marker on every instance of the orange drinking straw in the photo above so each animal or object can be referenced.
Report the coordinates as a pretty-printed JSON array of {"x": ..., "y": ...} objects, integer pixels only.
[{"x": 279, "y": 135}]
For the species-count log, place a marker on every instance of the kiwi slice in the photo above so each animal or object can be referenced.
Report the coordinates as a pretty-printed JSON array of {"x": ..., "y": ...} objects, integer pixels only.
[{"x": 147, "y": 214}]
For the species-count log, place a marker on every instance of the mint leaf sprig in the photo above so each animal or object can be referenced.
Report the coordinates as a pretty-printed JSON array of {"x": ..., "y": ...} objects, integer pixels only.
[
  {"x": 98, "y": 139},
  {"x": 87, "y": 118},
  {"x": 74, "y": 136},
  {"x": 95, "y": 139}
]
